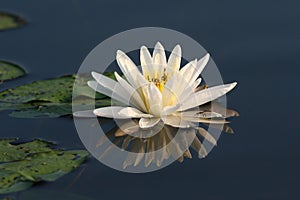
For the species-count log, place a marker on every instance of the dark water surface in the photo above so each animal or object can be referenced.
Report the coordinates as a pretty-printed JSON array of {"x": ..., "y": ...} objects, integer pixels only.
[{"x": 256, "y": 43}]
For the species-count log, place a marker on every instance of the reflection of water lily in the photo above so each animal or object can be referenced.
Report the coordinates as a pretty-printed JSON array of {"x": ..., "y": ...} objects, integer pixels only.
[
  {"x": 162, "y": 92},
  {"x": 168, "y": 143}
]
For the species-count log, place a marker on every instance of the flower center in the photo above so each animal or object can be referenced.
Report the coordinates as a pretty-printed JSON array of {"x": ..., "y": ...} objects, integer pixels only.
[{"x": 159, "y": 81}]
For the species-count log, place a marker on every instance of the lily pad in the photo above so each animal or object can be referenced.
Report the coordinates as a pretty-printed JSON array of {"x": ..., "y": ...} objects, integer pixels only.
[
  {"x": 47, "y": 166},
  {"x": 51, "y": 98},
  {"x": 10, "y": 71},
  {"x": 27, "y": 163},
  {"x": 52, "y": 90},
  {"x": 12, "y": 152},
  {"x": 10, "y": 21},
  {"x": 53, "y": 110}
]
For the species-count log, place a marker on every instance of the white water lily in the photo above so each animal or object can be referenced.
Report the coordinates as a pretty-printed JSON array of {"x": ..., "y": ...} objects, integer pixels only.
[{"x": 162, "y": 92}]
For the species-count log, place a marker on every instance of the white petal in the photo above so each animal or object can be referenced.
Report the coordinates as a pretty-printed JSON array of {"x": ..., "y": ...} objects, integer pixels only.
[
  {"x": 109, "y": 92},
  {"x": 148, "y": 122},
  {"x": 192, "y": 71},
  {"x": 84, "y": 114},
  {"x": 188, "y": 71},
  {"x": 146, "y": 62},
  {"x": 206, "y": 95},
  {"x": 132, "y": 113},
  {"x": 174, "y": 61},
  {"x": 159, "y": 60},
  {"x": 155, "y": 99},
  {"x": 111, "y": 112},
  {"x": 133, "y": 95},
  {"x": 128, "y": 68},
  {"x": 170, "y": 109}
]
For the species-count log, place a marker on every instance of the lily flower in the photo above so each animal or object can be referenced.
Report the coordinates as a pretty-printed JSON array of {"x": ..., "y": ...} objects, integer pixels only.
[{"x": 161, "y": 92}]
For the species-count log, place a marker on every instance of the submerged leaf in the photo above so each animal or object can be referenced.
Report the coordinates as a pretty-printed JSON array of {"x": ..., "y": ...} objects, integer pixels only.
[
  {"x": 10, "y": 71},
  {"x": 10, "y": 21}
]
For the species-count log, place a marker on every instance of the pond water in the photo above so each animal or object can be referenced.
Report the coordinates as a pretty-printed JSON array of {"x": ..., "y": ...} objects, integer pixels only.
[{"x": 254, "y": 43}]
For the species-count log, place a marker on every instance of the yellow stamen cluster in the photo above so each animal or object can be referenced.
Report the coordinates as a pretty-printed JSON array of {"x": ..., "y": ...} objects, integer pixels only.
[{"x": 159, "y": 81}]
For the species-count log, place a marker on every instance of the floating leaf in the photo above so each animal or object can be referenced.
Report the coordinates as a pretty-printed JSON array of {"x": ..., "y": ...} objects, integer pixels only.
[
  {"x": 53, "y": 110},
  {"x": 31, "y": 162},
  {"x": 51, "y": 98},
  {"x": 10, "y": 71},
  {"x": 13, "y": 152},
  {"x": 12, "y": 182},
  {"x": 52, "y": 90},
  {"x": 10, "y": 21},
  {"x": 46, "y": 166}
]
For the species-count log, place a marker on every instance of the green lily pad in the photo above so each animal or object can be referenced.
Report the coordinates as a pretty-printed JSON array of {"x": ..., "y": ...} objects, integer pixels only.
[
  {"x": 12, "y": 182},
  {"x": 10, "y": 21},
  {"x": 12, "y": 152},
  {"x": 27, "y": 163},
  {"x": 52, "y": 90},
  {"x": 54, "y": 110},
  {"x": 52, "y": 98},
  {"x": 47, "y": 166},
  {"x": 10, "y": 71}
]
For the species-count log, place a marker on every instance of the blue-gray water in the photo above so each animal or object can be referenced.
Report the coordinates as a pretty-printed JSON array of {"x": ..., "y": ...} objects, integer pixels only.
[{"x": 256, "y": 43}]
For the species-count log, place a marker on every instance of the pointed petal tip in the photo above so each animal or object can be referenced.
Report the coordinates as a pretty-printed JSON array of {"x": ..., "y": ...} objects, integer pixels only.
[
  {"x": 119, "y": 54},
  {"x": 232, "y": 85},
  {"x": 94, "y": 74},
  {"x": 158, "y": 43},
  {"x": 143, "y": 47}
]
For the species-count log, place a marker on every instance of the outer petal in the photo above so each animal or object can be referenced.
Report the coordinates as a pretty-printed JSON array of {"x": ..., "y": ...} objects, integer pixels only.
[
  {"x": 206, "y": 95},
  {"x": 118, "y": 112},
  {"x": 129, "y": 69},
  {"x": 192, "y": 71},
  {"x": 117, "y": 94},
  {"x": 110, "y": 112},
  {"x": 133, "y": 113},
  {"x": 133, "y": 95}
]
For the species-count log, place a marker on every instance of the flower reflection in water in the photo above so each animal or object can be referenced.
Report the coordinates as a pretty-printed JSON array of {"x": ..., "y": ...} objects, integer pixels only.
[{"x": 161, "y": 142}]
